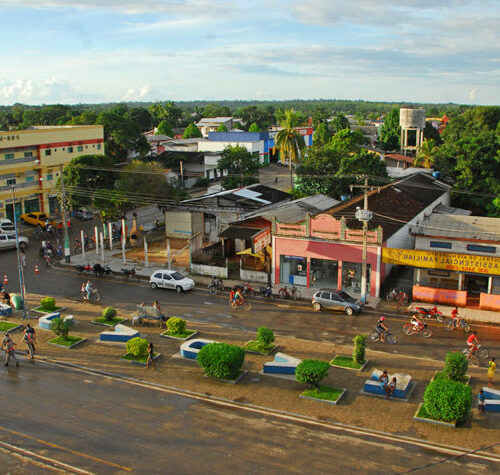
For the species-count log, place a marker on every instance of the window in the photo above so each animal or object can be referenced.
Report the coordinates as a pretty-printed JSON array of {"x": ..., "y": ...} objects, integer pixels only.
[
  {"x": 49, "y": 177},
  {"x": 70, "y": 149},
  {"x": 79, "y": 148},
  {"x": 30, "y": 179},
  {"x": 48, "y": 152},
  {"x": 441, "y": 245},
  {"x": 324, "y": 273},
  {"x": 326, "y": 295},
  {"x": 98, "y": 146},
  {"x": 9, "y": 156},
  {"x": 28, "y": 154},
  {"x": 11, "y": 181},
  {"x": 293, "y": 270},
  {"x": 476, "y": 248},
  {"x": 166, "y": 277}
]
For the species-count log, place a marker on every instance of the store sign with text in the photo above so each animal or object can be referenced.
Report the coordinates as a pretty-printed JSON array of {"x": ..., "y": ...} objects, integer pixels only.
[
  {"x": 262, "y": 240},
  {"x": 442, "y": 260}
]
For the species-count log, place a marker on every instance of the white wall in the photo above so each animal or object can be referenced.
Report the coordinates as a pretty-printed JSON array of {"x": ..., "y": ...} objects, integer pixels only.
[{"x": 459, "y": 247}]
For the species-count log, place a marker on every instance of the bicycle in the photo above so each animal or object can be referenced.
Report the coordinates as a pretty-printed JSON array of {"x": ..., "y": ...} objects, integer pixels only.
[
  {"x": 451, "y": 325},
  {"x": 476, "y": 356},
  {"x": 243, "y": 304},
  {"x": 397, "y": 294},
  {"x": 94, "y": 296},
  {"x": 284, "y": 293},
  {"x": 411, "y": 329},
  {"x": 377, "y": 336}
]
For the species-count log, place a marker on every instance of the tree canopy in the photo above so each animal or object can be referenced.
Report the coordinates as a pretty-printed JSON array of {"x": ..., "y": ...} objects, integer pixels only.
[
  {"x": 191, "y": 131},
  {"x": 240, "y": 166},
  {"x": 390, "y": 131}
]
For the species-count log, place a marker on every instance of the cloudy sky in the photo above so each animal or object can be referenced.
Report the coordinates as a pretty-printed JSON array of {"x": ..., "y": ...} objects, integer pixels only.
[{"x": 70, "y": 51}]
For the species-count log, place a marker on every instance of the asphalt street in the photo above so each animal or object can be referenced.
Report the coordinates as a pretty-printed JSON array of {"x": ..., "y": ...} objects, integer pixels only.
[{"x": 107, "y": 426}]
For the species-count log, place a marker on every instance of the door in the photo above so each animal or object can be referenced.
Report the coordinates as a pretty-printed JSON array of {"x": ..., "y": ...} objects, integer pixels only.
[
  {"x": 4, "y": 242},
  {"x": 168, "y": 281},
  {"x": 337, "y": 302},
  {"x": 10, "y": 212}
]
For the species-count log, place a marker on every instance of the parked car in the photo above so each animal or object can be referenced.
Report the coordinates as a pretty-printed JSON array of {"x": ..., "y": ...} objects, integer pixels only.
[
  {"x": 8, "y": 241},
  {"x": 6, "y": 226},
  {"x": 335, "y": 300},
  {"x": 170, "y": 279},
  {"x": 83, "y": 214},
  {"x": 37, "y": 218}
]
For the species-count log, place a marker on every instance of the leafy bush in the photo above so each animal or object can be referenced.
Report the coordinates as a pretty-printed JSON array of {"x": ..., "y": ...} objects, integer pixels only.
[
  {"x": 176, "y": 325},
  {"x": 60, "y": 327},
  {"x": 221, "y": 360},
  {"x": 265, "y": 336},
  {"x": 48, "y": 303},
  {"x": 455, "y": 365},
  {"x": 202, "y": 181},
  {"x": 311, "y": 372},
  {"x": 137, "y": 346},
  {"x": 447, "y": 400},
  {"x": 358, "y": 353},
  {"x": 109, "y": 313}
]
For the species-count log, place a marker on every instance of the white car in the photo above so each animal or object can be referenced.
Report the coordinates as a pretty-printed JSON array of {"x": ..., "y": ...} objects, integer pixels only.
[
  {"x": 6, "y": 226},
  {"x": 8, "y": 241},
  {"x": 170, "y": 279}
]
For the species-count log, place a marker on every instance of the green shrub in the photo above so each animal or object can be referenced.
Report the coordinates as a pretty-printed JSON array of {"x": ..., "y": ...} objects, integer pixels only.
[
  {"x": 137, "y": 346},
  {"x": 176, "y": 325},
  {"x": 447, "y": 400},
  {"x": 358, "y": 353},
  {"x": 48, "y": 303},
  {"x": 202, "y": 181},
  {"x": 311, "y": 372},
  {"x": 60, "y": 327},
  {"x": 221, "y": 360},
  {"x": 455, "y": 365},
  {"x": 265, "y": 336},
  {"x": 109, "y": 313}
]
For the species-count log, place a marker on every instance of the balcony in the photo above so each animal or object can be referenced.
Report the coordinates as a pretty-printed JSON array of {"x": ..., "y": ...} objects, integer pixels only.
[{"x": 20, "y": 185}]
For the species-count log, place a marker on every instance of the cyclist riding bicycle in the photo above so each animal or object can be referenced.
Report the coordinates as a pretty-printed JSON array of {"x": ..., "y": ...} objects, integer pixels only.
[
  {"x": 472, "y": 342},
  {"x": 381, "y": 328},
  {"x": 238, "y": 298},
  {"x": 454, "y": 318},
  {"x": 416, "y": 322},
  {"x": 88, "y": 289}
]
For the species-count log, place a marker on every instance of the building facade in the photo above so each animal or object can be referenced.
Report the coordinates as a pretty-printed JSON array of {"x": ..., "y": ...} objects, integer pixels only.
[{"x": 30, "y": 159}]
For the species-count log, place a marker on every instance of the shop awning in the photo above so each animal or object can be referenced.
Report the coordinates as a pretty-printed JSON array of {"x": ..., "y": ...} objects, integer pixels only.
[{"x": 239, "y": 232}]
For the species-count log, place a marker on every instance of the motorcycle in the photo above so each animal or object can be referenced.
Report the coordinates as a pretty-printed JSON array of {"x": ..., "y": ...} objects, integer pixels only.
[
  {"x": 87, "y": 268},
  {"x": 246, "y": 289},
  {"x": 430, "y": 312},
  {"x": 267, "y": 292},
  {"x": 284, "y": 293},
  {"x": 130, "y": 273},
  {"x": 215, "y": 285},
  {"x": 101, "y": 269}
]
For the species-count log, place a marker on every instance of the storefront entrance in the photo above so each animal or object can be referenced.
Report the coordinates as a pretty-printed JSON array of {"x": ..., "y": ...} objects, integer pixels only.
[
  {"x": 10, "y": 211},
  {"x": 293, "y": 270},
  {"x": 351, "y": 277},
  {"x": 324, "y": 273},
  {"x": 476, "y": 283},
  {"x": 31, "y": 206}
]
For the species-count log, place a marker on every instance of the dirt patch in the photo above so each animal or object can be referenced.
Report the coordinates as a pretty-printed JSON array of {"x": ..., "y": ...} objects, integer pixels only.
[{"x": 157, "y": 252}]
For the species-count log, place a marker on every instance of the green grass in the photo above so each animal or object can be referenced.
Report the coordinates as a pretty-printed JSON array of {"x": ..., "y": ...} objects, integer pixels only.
[
  {"x": 138, "y": 359},
  {"x": 68, "y": 341},
  {"x": 255, "y": 345},
  {"x": 442, "y": 375},
  {"x": 46, "y": 310},
  {"x": 113, "y": 321},
  {"x": 6, "y": 326},
  {"x": 346, "y": 362},
  {"x": 184, "y": 334},
  {"x": 324, "y": 392}
]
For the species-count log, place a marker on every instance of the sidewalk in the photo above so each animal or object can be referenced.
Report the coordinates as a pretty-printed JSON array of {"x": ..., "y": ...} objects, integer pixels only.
[
  {"x": 468, "y": 314},
  {"x": 271, "y": 392},
  {"x": 115, "y": 261}
]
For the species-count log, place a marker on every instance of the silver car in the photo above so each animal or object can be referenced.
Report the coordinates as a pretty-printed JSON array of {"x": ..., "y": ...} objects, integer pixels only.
[
  {"x": 335, "y": 300},
  {"x": 8, "y": 241}
]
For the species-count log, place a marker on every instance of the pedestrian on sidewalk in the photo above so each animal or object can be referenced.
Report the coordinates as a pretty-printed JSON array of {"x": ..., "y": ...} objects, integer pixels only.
[
  {"x": 10, "y": 349},
  {"x": 30, "y": 339},
  {"x": 481, "y": 406},
  {"x": 23, "y": 258},
  {"x": 492, "y": 366},
  {"x": 151, "y": 352}
]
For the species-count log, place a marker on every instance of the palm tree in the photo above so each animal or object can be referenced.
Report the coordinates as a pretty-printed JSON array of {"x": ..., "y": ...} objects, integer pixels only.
[
  {"x": 425, "y": 156},
  {"x": 289, "y": 142}
]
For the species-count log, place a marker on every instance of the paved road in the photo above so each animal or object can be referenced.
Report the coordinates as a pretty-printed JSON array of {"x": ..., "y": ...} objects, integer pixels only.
[{"x": 106, "y": 426}]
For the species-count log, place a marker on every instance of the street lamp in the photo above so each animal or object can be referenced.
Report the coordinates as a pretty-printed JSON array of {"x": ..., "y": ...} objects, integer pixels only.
[{"x": 21, "y": 280}]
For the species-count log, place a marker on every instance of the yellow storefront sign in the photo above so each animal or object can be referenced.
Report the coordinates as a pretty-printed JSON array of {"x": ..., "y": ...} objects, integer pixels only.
[{"x": 442, "y": 260}]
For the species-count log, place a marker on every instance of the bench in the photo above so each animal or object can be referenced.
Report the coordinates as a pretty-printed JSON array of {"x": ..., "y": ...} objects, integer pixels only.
[
  {"x": 282, "y": 364},
  {"x": 148, "y": 313},
  {"x": 120, "y": 334},
  {"x": 374, "y": 386},
  {"x": 190, "y": 349},
  {"x": 492, "y": 401},
  {"x": 45, "y": 321}
]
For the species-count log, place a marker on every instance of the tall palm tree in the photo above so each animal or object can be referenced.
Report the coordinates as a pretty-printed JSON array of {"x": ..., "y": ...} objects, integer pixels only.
[
  {"x": 425, "y": 156},
  {"x": 289, "y": 142}
]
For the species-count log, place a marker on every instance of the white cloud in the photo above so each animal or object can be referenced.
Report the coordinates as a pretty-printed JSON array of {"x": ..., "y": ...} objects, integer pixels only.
[
  {"x": 472, "y": 94},
  {"x": 140, "y": 94}
]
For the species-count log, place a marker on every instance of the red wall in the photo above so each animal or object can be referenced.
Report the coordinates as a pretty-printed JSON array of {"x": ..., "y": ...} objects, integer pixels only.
[{"x": 325, "y": 250}]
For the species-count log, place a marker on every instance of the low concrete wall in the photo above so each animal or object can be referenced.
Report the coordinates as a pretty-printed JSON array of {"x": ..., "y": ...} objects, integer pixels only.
[
  {"x": 489, "y": 302},
  {"x": 201, "y": 269},
  {"x": 444, "y": 296},
  {"x": 253, "y": 276}
]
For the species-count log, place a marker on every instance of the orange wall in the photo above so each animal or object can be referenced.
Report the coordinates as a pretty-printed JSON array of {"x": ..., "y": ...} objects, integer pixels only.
[{"x": 444, "y": 296}]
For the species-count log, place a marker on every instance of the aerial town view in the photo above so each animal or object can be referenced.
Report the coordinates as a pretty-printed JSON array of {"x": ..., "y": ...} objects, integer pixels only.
[{"x": 255, "y": 237}]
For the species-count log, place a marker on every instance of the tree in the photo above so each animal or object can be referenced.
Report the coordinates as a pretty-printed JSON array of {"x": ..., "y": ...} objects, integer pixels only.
[
  {"x": 166, "y": 111},
  {"x": 141, "y": 116},
  {"x": 322, "y": 134},
  {"x": 339, "y": 122},
  {"x": 164, "y": 128},
  {"x": 254, "y": 128},
  {"x": 390, "y": 132},
  {"x": 216, "y": 110},
  {"x": 240, "y": 165},
  {"x": 321, "y": 114},
  {"x": 222, "y": 128},
  {"x": 425, "y": 156},
  {"x": 191, "y": 131},
  {"x": 430, "y": 132},
  {"x": 288, "y": 141}
]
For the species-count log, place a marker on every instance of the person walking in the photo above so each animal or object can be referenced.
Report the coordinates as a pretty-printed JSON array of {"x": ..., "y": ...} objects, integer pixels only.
[
  {"x": 10, "y": 350},
  {"x": 23, "y": 258},
  {"x": 30, "y": 339},
  {"x": 151, "y": 352},
  {"x": 492, "y": 366},
  {"x": 481, "y": 402}
]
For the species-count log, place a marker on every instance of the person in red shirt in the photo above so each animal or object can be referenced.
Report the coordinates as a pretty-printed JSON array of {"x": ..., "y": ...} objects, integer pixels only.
[{"x": 472, "y": 342}]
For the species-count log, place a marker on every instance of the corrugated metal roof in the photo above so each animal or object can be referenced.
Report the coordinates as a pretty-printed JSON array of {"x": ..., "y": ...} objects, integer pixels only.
[{"x": 460, "y": 226}]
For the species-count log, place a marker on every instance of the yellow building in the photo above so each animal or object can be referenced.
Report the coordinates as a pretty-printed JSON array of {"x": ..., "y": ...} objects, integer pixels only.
[{"x": 30, "y": 159}]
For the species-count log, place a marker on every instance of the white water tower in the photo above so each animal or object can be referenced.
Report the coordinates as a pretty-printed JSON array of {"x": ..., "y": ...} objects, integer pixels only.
[{"x": 411, "y": 120}]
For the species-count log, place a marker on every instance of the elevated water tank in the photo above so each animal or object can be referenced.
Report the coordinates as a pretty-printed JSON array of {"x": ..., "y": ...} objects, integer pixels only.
[{"x": 412, "y": 118}]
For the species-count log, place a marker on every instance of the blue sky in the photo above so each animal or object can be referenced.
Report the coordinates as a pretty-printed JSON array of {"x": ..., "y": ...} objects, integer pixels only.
[{"x": 70, "y": 51}]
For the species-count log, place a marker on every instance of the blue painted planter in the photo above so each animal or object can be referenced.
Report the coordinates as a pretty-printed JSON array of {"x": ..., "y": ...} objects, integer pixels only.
[
  {"x": 492, "y": 401},
  {"x": 45, "y": 321},
  {"x": 5, "y": 309},
  {"x": 121, "y": 334},
  {"x": 282, "y": 364},
  {"x": 374, "y": 386},
  {"x": 190, "y": 349}
]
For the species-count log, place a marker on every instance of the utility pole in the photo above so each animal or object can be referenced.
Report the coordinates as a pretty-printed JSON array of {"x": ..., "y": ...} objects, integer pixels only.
[
  {"x": 364, "y": 215},
  {"x": 67, "y": 252},
  {"x": 19, "y": 267}
]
